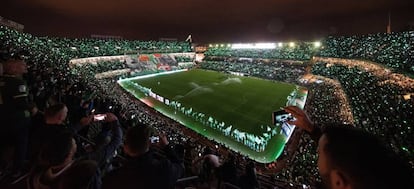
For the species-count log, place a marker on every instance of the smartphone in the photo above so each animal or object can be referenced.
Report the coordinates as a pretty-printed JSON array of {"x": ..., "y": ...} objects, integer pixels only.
[
  {"x": 281, "y": 116},
  {"x": 155, "y": 139},
  {"x": 280, "y": 119},
  {"x": 99, "y": 117}
]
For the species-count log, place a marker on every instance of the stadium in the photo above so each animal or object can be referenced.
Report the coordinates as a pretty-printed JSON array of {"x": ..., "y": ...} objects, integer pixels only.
[
  {"x": 229, "y": 100},
  {"x": 242, "y": 118}
]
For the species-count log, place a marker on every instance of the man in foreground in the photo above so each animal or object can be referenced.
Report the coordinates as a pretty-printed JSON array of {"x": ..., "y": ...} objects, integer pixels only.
[
  {"x": 350, "y": 158},
  {"x": 143, "y": 169}
]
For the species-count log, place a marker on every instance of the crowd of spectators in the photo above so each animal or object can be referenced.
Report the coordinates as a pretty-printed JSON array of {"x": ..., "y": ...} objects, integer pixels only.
[
  {"x": 51, "y": 81},
  {"x": 61, "y": 50},
  {"x": 395, "y": 50},
  {"x": 291, "y": 51},
  {"x": 344, "y": 91},
  {"x": 103, "y": 67},
  {"x": 184, "y": 59},
  {"x": 327, "y": 103},
  {"x": 377, "y": 101},
  {"x": 279, "y": 70}
]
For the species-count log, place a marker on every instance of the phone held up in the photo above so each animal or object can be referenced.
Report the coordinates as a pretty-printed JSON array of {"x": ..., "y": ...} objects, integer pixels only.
[
  {"x": 281, "y": 116},
  {"x": 281, "y": 119}
]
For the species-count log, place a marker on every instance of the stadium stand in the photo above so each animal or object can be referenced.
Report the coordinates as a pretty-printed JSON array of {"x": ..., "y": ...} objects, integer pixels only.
[
  {"x": 294, "y": 51},
  {"x": 394, "y": 50}
]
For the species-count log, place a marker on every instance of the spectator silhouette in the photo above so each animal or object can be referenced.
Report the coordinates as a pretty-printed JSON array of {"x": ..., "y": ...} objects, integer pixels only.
[
  {"x": 209, "y": 165},
  {"x": 228, "y": 171},
  {"x": 352, "y": 158},
  {"x": 15, "y": 116},
  {"x": 81, "y": 175},
  {"x": 37, "y": 117},
  {"x": 106, "y": 144},
  {"x": 143, "y": 169},
  {"x": 249, "y": 179},
  {"x": 55, "y": 155},
  {"x": 53, "y": 123}
]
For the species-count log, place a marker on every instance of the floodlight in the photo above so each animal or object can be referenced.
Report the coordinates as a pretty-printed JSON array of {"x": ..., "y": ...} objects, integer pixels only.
[
  {"x": 254, "y": 46},
  {"x": 265, "y": 45}
]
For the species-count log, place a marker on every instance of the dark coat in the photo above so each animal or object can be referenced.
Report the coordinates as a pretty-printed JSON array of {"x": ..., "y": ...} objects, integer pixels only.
[{"x": 146, "y": 171}]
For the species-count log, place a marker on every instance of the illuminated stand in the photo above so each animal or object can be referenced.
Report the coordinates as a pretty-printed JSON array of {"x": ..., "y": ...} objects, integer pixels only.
[{"x": 254, "y": 142}]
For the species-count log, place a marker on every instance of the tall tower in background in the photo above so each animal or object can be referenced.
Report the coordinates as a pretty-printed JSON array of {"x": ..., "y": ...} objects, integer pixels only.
[{"x": 389, "y": 23}]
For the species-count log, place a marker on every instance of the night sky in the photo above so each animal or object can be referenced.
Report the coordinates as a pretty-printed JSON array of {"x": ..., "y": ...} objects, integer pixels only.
[{"x": 209, "y": 21}]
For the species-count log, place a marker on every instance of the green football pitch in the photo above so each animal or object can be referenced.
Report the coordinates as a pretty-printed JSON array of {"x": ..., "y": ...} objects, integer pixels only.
[{"x": 233, "y": 110}]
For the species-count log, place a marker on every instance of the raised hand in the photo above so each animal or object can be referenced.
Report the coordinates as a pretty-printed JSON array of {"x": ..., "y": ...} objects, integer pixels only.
[{"x": 302, "y": 119}]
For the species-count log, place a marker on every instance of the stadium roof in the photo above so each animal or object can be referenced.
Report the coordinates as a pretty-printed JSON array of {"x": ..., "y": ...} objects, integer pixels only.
[{"x": 208, "y": 20}]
